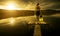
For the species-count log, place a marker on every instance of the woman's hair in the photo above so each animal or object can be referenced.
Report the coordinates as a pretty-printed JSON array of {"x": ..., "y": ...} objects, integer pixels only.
[{"x": 37, "y": 4}]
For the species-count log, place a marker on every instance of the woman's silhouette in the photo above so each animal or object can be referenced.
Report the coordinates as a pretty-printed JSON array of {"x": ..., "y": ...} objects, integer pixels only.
[{"x": 37, "y": 11}]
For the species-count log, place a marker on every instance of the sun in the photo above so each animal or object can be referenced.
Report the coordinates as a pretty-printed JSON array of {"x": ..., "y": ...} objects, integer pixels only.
[{"x": 10, "y": 6}]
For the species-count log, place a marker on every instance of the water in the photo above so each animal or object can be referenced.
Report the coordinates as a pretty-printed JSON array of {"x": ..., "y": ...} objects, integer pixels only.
[{"x": 22, "y": 28}]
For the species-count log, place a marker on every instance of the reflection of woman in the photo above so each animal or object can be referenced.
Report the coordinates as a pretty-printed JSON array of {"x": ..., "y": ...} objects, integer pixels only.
[{"x": 37, "y": 11}]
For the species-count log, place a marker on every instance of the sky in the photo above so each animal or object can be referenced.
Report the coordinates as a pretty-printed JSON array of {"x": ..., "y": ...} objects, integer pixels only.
[{"x": 31, "y": 4}]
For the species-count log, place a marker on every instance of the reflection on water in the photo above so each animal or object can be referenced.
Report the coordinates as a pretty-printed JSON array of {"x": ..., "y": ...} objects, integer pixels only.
[
  {"x": 19, "y": 19},
  {"x": 48, "y": 19},
  {"x": 11, "y": 21},
  {"x": 21, "y": 27},
  {"x": 56, "y": 15}
]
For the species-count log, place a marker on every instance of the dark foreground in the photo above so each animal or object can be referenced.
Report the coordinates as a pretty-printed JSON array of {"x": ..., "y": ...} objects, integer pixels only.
[{"x": 52, "y": 28}]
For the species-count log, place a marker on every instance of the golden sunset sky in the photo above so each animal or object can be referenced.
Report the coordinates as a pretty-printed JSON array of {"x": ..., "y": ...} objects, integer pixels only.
[{"x": 29, "y": 4}]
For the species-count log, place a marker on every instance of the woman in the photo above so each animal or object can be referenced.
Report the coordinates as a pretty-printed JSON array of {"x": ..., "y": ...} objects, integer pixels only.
[{"x": 37, "y": 11}]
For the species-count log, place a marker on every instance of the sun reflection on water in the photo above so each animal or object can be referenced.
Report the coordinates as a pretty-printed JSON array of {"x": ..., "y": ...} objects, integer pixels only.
[{"x": 11, "y": 21}]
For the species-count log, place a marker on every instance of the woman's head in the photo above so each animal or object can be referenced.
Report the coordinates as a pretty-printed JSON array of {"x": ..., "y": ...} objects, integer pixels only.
[{"x": 37, "y": 4}]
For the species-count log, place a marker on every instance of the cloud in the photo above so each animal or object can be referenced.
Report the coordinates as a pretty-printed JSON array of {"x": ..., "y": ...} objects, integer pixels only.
[
  {"x": 31, "y": 4},
  {"x": 51, "y": 0},
  {"x": 45, "y": 4},
  {"x": 56, "y": 6},
  {"x": 50, "y": 4}
]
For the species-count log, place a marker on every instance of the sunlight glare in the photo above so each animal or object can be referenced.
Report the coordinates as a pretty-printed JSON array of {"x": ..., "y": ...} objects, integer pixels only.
[
  {"x": 10, "y": 6},
  {"x": 12, "y": 21}
]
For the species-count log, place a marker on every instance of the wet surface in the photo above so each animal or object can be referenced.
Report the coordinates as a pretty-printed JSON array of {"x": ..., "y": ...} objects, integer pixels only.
[{"x": 22, "y": 28}]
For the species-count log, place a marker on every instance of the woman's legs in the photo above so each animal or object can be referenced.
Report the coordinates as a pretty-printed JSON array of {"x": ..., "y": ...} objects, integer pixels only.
[{"x": 37, "y": 17}]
